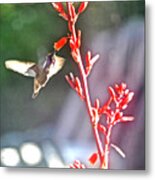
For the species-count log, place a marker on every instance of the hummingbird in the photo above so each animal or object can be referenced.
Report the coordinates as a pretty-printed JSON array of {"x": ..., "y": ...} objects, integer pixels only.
[{"x": 40, "y": 72}]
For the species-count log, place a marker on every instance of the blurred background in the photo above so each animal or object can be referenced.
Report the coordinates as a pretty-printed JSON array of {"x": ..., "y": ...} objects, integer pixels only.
[{"x": 53, "y": 130}]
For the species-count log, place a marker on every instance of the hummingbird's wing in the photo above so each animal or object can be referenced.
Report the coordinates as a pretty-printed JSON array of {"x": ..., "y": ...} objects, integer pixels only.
[
  {"x": 24, "y": 68},
  {"x": 41, "y": 74},
  {"x": 56, "y": 65}
]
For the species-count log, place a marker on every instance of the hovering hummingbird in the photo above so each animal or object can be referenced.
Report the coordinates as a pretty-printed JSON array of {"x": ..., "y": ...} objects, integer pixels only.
[{"x": 41, "y": 72}]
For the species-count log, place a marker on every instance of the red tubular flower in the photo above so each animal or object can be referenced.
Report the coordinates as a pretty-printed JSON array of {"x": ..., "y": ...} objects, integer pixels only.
[
  {"x": 77, "y": 165},
  {"x": 60, "y": 43},
  {"x": 72, "y": 43},
  {"x": 78, "y": 41},
  {"x": 112, "y": 93},
  {"x": 75, "y": 56},
  {"x": 118, "y": 115},
  {"x": 78, "y": 88},
  {"x": 94, "y": 59},
  {"x": 75, "y": 84},
  {"x": 125, "y": 100},
  {"x": 71, "y": 10},
  {"x": 123, "y": 119},
  {"x": 70, "y": 26},
  {"x": 90, "y": 61},
  {"x": 120, "y": 89},
  {"x": 64, "y": 16},
  {"x": 97, "y": 103},
  {"x": 127, "y": 118},
  {"x": 93, "y": 158},
  {"x": 58, "y": 6},
  {"x": 71, "y": 80},
  {"x": 88, "y": 57},
  {"x": 102, "y": 128},
  {"x": 105, "y": 109},
  {"x": 82, "y": 7}
]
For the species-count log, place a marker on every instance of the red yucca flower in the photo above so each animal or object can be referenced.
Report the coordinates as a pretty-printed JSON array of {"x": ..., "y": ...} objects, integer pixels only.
[
  {"x": 60, "y": 43},
  {"x": 119, "y": 96},
  {"x": 93, "y": 158},
  {"x": 59, "y": 8},
  {"x": 82, "y": 7},
  {"x": 77, "y": 165}
]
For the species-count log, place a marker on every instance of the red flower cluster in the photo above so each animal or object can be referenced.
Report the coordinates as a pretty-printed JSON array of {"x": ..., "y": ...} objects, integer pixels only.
[
  {"x": 60, "y": 9},
  {"x": 71, "y": 16},
  {"x": 77, "y": 165},
  {"x": 113, "y": 109},
  {"x": 119, "y": 98},
  {"x": 75, "y": 84}
]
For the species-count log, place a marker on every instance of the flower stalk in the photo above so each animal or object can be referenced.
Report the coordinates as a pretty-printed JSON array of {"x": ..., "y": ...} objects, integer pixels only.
[{"x": 119, "y": 95}]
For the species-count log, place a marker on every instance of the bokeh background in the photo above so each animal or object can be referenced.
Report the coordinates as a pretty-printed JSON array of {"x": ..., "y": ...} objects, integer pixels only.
[{"x": 55, "y": 125}]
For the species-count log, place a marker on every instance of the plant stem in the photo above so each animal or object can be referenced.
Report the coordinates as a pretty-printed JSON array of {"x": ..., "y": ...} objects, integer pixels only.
[
  {"x": 105, "y": 163},
  {"x": 103, "y": 154},
  {"x": 87, "y": 98},
  {"x": 89, "y": 108}
]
